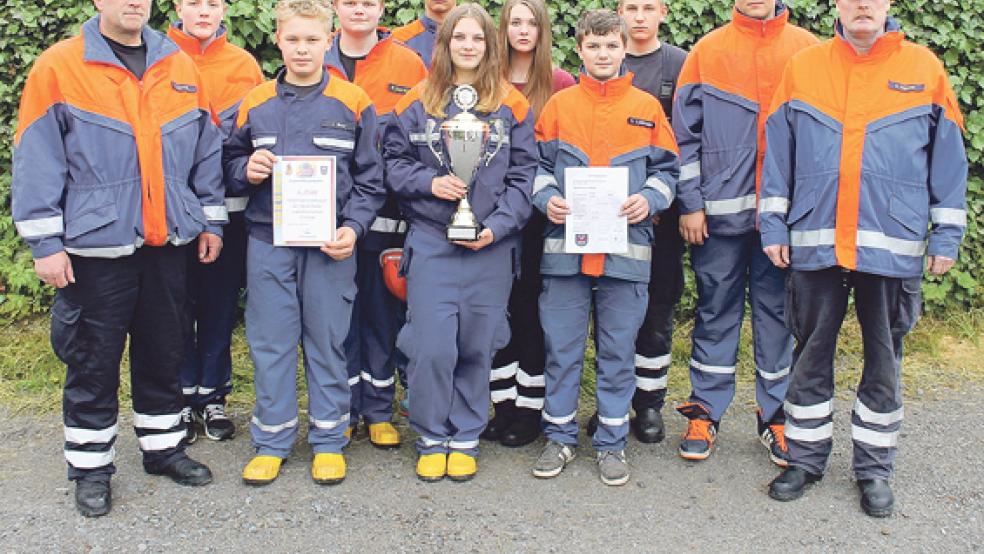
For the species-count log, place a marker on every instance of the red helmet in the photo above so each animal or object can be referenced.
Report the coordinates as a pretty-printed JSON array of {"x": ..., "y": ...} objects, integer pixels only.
[{"x": 389, "y": 260}]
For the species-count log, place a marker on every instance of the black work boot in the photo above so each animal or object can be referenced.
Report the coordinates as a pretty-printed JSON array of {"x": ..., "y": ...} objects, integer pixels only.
[
  {"x": 791, "y": 483},
  {"x": 877, "y": 499},
  {"x": 185, "y": 471},
  {"x": 93, "y": 497},
  {"x": 521, "y": 432},
  {"x": 647, "y": 426}
]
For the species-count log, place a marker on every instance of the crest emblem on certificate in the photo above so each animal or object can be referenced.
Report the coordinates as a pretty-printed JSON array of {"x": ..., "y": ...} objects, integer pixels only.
[{"x": 581, "y": 239}]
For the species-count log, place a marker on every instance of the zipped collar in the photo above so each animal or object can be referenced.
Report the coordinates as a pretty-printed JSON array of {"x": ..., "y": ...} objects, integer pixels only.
[
  {"x": 333, "y": 59},
  {"x": 767, "y": 28},
  {"x": 191, "y": 45},
  {"x": 285, "y": 92},
  {"x": 884, "y": 46},
  {"x": 609, "y": 90},
  {"x": 97, "y": 50},
  {"x": 429, "y": 23}
]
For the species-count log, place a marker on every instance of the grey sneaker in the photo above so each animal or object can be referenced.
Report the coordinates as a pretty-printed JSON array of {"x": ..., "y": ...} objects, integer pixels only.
[
  {"x": 217, "y": 425},
  {"x": 552, "y": 460},
  {"x": 191, "y": 434},
  {"x": 613, "y": 468}
]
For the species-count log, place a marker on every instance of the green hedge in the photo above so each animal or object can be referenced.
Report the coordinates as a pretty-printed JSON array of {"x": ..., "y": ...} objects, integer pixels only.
[{"x": 952, "y": 28}]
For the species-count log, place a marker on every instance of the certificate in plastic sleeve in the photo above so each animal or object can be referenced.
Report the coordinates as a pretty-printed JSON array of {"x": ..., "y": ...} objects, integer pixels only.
[
  {"x": 304, "y": 200},
  {"x": 595, "y": 195}
]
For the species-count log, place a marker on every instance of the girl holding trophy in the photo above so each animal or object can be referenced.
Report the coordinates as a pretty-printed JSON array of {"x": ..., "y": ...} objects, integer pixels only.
[{"x": 461, "y": 157}]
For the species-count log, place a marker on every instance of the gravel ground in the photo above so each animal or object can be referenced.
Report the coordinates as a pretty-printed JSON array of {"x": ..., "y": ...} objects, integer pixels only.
[{"x": 381, "y": 507}]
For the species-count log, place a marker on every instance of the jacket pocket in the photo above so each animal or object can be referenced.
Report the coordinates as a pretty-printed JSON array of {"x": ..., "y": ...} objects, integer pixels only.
[
  {"x": 90, "y": 220},
  {"x": 803, "y": 203},
  {"x": 900, "y": 208},
  {"x": 264, "y": 141},
  {"x": 65, "y": 322}
]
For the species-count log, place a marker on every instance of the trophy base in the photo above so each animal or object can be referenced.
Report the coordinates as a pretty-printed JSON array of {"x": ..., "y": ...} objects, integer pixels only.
[{"x": 469, "y": 234}]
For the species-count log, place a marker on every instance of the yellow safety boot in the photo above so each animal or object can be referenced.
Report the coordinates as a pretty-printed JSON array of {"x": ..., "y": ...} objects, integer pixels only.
[
  {"x": 262, "y": 470},
  {"x": 328, "y": 469},
  {"x": 384, "y": 435},
  {"x": 432, "y": 467},
  {"x": 461, "y": 467}
]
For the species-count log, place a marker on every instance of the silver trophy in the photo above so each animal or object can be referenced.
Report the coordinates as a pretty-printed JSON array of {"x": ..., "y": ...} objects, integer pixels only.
[{"x": 465, "y": 138}]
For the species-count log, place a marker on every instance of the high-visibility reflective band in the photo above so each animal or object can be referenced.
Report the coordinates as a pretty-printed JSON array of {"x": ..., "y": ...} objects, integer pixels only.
[
  {"x": 543, "y": 181},
  {"x": 613, "y": 421},
  {"x": 216, "y": 213},
  {"x": 495, "y": 138},
  {"x": 236, "y": 203},
  {"x": 90, "y": 436},
  {"x": 531, "y": 403},
  {"x": 824, "y": 432},
  {"x": 378, "y": 383},
  {"x": 30, "y": 228},
  {"x": 660, "y": 187},
  {"x": 870, "y": 436},
  {"x": 323, "y": 424},
  {"x": 725, "y": 369},
  {"x": 181, "y": 242},
  {"x": 774, "y": 204},
  {"x": 505, "y": 372},
  {"x": 636, "y": 251},
  {"x": 652, "y": 384},
  {"x": 106, "y": 252},
  {"x": 503, "y": 395},
  {"x": 527, "y": 380},
  {"x": 773, "y": 376},
  {"x": 659, "y": 362},
  {"x": 689, "y": 171},
  {"x": 160, "y": 442},
  {"x": 387, "y": 225},
  {"x": 264, "y": 141},
  {"x": 899, "y": 247},
  {"x": 462, "y": 445},
  {"x": 730, "y": 206},
  {"x": 424, "y": 138},
  {"x": 273, "y": 428},
  {"x": 868, "y": 415},
  {"x": 329, "y": 142},
  {"x": 188, "y": 391},
  {"x": 945, "y": 216},
  {"x": 815, "y": 411},
  {"x": 353, "y": 381},
  {"x": 559, "y": 420},
  {"x": 206, "y": 390},
  {"x": 159, "y": 422},
  {"x": 818, "y": 237},
  {"x": 90, "y": 460},
  {"x": 431, "y": 442}
]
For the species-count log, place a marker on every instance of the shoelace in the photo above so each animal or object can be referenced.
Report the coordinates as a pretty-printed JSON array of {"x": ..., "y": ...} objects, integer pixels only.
[
  {"x": 779, "y": 434},
  {"x": 215, "y": 411},
  {"x": 605, "y": 455},
  {"x": 186, "y": 414},
  {"x": 699, "y": 430}
]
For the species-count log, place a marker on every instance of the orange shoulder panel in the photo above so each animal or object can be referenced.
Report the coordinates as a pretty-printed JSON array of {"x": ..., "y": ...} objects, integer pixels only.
[
  {"x": 42, "y": 90},
  {"x": 516, "y": 102},
  {"x": 254, "y": 98},
  {"x": 408, "y": 31},
  {"x": 547, "y": 127},
  {"x": 409, "y": 98},
  {"x": 353, "y": 97}
]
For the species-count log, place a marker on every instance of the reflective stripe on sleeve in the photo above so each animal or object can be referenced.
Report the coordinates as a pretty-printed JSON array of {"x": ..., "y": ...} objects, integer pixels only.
[
  {"x": 657, "y": 184},
  {"x": 31, "y": 228},
  {"x": 774, "y": 204},
  {"x": 730, "y": 206},
  {"x": 236, "y": 203},
  {"x": 949, "y": 216},
  {"x": 543, "y": 181},
  {"x": 387, "y": 225},
  {"x": 690, "y": 171}
]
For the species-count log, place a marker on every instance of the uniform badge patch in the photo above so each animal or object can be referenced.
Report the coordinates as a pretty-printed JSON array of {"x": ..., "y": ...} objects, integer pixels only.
[
  {"x": 905, "y": 87},
  {"x": 642, "y": 123},
  {"x": 183, "y": 88},
  {"x": 340, "y": 125},
  {"x": 398, "y": 89}
]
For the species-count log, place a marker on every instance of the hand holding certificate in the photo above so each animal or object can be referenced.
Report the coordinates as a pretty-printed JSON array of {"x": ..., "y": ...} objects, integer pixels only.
[
  {"x": 596, "y": 197},
  {"x": 304, "y": 201}
]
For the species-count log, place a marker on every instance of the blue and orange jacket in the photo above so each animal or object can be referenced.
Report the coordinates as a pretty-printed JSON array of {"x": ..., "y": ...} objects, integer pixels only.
[
  {"x": 723, "y": 95},
  {"x": 105, "y": 163},
  {"x": 605, "y": 124},
  {"x": 420, "y": 35},
  {"x": 229, "y": 72},
  {"x": 500, "y": 192},
  {"x": 865, "y": 159},
  {"x": 337, "y": 119},
  {"x": 387, "y": 73}
]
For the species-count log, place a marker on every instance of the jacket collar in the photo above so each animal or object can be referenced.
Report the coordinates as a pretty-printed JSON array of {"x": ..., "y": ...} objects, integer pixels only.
[
  {"x": 761, "y": 28},
  {"x": 333, "y": 59},
  {"x": 611, "y": 89},
  {"x": 429, "y": 24},
  {"x": 285, "y": 92},
  {"x": 191, "y": 45},
  {"x": 97, "y": 50},
  {"x": 884, "y": 45}
]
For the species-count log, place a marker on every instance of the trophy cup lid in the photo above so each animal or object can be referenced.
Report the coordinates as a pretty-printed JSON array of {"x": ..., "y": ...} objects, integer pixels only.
[{"x": 465, "y": 97}]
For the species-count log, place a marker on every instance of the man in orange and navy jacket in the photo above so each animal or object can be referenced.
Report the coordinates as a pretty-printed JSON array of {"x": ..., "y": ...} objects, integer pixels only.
[
  {"x": 865, "y": 176},
  {"x": 228, "y": 73},
  {"x": 116, "y": 169},
  {"x": 421, "y": 33},
  {"x": 386, "y": 70},
  {"x": 723, "y": 92},
  {"x": 602, "y": 122}
]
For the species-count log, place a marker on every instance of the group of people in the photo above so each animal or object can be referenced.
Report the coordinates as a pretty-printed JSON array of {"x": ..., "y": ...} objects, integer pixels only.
[{"x": 795, "y": 169}]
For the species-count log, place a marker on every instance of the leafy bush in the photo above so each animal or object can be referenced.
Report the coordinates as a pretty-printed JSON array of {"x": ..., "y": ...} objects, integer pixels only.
[{"x": 952, "y": 28}]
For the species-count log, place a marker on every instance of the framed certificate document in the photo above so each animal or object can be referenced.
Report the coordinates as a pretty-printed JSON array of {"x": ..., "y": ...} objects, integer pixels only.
[
  {"x": 595, "y": 196},
  {"x": 303, "y": 200}
]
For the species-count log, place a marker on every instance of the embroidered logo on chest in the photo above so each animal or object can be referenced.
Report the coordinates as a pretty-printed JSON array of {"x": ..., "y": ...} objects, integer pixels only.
[
  {"x": 340, "y": 125},
  {"x": 906, "y": 87},
  {"x": 642, "y": 123},
  {"x": 191, "y": 89},
  {"x": 398, "y": 89}
]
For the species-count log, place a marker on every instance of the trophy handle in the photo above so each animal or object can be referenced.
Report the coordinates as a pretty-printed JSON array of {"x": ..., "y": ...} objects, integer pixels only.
[
  {"x": 499, "y": 131},
  {"x": 431, "y": 126}
]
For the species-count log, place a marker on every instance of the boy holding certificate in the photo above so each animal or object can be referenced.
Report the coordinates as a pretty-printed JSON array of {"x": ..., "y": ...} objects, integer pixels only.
[
  {"x": 637, "y": 156},
  {"x": 301, "y": 293}
]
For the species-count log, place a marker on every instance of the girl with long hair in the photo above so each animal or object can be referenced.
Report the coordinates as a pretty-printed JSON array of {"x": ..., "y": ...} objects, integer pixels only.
[{"x": 457, "y": 290}]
